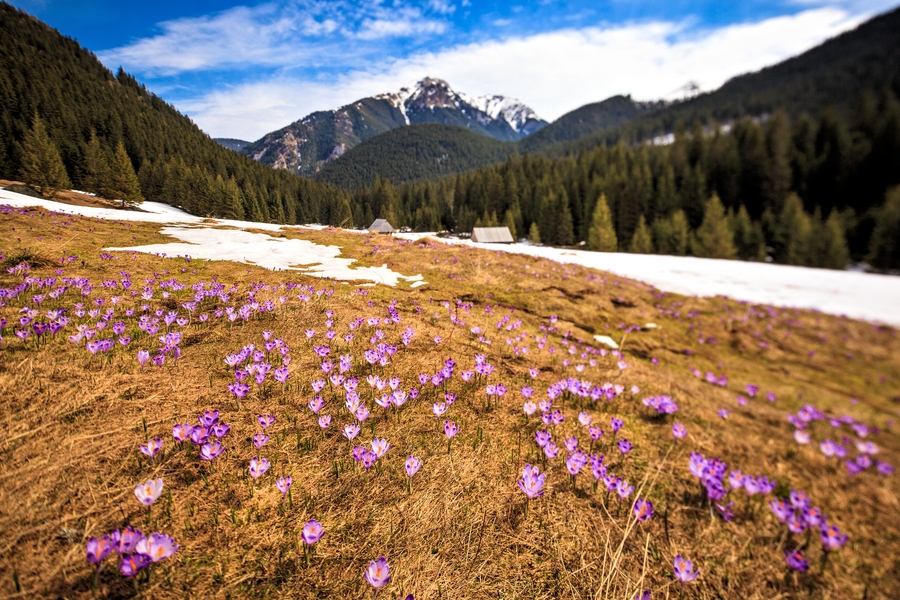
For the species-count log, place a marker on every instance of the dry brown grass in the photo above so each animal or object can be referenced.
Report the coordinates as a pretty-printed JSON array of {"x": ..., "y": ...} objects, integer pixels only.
[{"x": 70, "y": 427}]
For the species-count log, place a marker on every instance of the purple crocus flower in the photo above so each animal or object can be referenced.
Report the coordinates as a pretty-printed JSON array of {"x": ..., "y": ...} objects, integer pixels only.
[
  {"x": 258, "y": 467},
  {"x": 182, "y": 432},
  {"x": 211, "y": 450},
  {"x": 284, "y": 484},
  {"x": 132, "y": 564},
  {"x": 623, "y": 489},
  {"x": 98, "y": 549},
  {"x": 684, "y": 569},
  {"x": 781, "y": 508},
  {"x": 143, "y": 357},
  {"x": 450, "y": 429},
  {"x": 679, "y": 431},
  {"x": 153, "y": 447},
  {"x": 260, "y": 440},
  {"x": 351, "y": 430},
  {"x": 832, "y": 539},
  {"x": 378, "y": 573},
  {"x": 616, "y": 424},
  {"x": 312, "y": 532},
  {"x": 158, "y": 547},
  {"x": 550, "y": 450},
  {"x": 209, "y": 418},
  {"x": 624, "y": 446},
  {"x": 266, "y": 420},
  {"x": 532, "y": 482},
  {"x": 199, "y": 435},
  {"x": 148, "y": 492},
  {"x": 726, "y": 511},
  {"x": 413, "y": 464},
  {"x": 220, "y": 430},
  {"x": 643, "y": 509},
  {"x": 796, "y": 522},
  {"x": 126, "y": 539},
  {"x": 796, "y": 561},
  {"x": 325, "y": 421}
]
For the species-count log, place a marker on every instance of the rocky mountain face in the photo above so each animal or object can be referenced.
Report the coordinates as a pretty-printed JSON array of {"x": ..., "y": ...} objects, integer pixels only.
[{"x": 305, "y": 146}]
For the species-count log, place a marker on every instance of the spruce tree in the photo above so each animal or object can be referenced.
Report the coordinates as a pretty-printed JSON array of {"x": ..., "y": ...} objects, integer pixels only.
[
  {"x": 884, "y": 248},
  {"x": 510, "y": 222},
  {"x": 96, "y": 166},
  {"x": 833, "y": 252},
  {"x": 748, "y": 236},
  {"x": 601, "y": 235},
  {"x": 641, "y": 241},
  {"x": 124, "y": 184},
  {"x": 714, "y": 238},
  {"x": 534, "y": 235},
  {"x": 670, "y": 235},
  {"x": 42, "y": 166},
  {"x": 793, "y": 233}
]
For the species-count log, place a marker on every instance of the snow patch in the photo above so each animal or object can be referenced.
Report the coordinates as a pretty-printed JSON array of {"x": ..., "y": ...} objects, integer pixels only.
[
  {"x": 866, "y": 296},
  {"x": 201, "y": 238}
]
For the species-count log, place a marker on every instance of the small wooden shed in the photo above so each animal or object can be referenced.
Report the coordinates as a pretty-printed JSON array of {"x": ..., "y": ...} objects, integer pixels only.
[
  {"x": 492, "y": 235},
  {"x": 380, "y": 226}
]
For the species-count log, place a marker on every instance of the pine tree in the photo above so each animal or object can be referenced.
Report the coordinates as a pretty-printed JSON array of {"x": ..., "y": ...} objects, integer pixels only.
[
  {"x": 670, "y": 235},
  {"x": 510, "y": 222},
  {"x": 832, "y": 251},
  {"x": 714, "y": 238},
  {"x": 748, "y": 236},
  {"x": 601, "y": 235},
  {"x": 96, "y": 166},
  {"x": 642, "y": 241},
  {"x": 42, "y": 166},
  {"x": 793, "y": 233},
  {"x": 534, "y": 235},
  {"x": 884, "y": 248},
  {"x": 124, "y": 184}
]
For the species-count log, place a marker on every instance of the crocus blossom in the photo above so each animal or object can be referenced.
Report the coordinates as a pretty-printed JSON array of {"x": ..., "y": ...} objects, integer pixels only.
[
  {"x": 148, "y": 492},
  {"x": 378, "y": 573}
]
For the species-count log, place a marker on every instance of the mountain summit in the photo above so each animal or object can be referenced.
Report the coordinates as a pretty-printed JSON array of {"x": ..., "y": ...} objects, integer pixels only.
[
  {"x": 429, "y": 94},
  {"x": 305, "y": 146}
]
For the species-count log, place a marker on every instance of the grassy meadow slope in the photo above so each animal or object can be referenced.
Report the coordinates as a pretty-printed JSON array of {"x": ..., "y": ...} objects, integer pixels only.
[{"x": 71, "y": 423}]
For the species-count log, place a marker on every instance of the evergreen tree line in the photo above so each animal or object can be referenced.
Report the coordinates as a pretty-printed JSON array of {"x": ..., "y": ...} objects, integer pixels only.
[
  {"x": 808, "y": 191},
  {"x": 113, "y": 137}
]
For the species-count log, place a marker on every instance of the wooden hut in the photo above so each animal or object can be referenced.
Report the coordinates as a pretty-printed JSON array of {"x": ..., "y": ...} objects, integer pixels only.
[
  {"x": 492, "y": 235},
  {"x": 380, "y": 226}
]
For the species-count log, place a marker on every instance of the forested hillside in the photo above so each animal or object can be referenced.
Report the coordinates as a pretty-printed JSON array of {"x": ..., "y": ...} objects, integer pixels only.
[
  {"x": 105, "y": 128},
  {"x": 831, "y": 75},
  {"x": 806, "y": 191},
  {"x": 427, "y": 150}
]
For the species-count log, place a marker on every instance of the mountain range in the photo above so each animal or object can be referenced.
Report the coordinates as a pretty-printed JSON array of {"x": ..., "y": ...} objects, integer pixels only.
[
  {"x": 832, "y": 74},
  {"x": 305, "y": 146}
]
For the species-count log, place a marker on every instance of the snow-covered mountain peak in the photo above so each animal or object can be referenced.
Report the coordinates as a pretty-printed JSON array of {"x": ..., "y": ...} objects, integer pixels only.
[{"x": 431, "y": 93}]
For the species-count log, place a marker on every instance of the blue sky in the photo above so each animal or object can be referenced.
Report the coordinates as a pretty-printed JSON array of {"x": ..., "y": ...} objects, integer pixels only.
[{"x": 242, "y": 69}]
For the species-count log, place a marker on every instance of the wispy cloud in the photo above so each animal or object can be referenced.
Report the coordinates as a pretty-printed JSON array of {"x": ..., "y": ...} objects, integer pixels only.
[
  {"x": 553, "y": 72},
  {"x": 277, "y": 34}
]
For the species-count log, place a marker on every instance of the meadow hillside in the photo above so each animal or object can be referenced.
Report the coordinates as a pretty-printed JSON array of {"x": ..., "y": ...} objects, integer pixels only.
[{"x": 759, "y": 436}]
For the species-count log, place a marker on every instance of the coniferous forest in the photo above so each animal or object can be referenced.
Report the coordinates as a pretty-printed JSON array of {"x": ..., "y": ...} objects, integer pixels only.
[
  {"x": 115, "y": 138},
  {"x": 809, "y": 191}
]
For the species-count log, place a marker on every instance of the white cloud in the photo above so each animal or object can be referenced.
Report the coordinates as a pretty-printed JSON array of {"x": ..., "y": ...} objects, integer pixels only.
[
  {"x": 282, "y": 33},
  {"x": 552, "y": 72}
]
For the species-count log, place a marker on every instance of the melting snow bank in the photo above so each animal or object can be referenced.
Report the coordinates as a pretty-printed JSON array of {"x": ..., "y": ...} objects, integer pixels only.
[
  {"x": 858, "y": 295},
  {"x": 270, "y": 253},
  {"x": 202, "y": 241}
]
